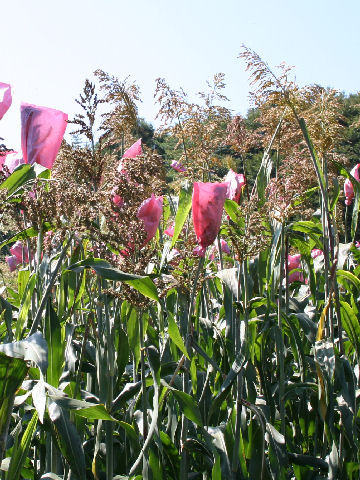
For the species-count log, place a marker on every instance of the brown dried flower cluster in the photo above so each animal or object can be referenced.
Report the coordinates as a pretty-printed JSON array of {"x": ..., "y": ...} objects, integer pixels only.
[
  {"x": 279, "y": 99},
  {"x": 200, "y": 129},
  {"x": 286, "y": 192},
  {"x": 251, "y": 234}
]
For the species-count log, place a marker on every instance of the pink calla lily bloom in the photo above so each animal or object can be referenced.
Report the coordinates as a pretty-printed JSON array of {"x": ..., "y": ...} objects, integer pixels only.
[
  {"x": 16, "y": 257},
  {"x": 207, "y": 207},
  {"x": 5, "y": 98},
  {"x": 348, "y": 186},
  {"x": 236, "y": 182},
  {"x": 199, "y": 251},
  {"x": 17, "y": 251},
  {"x": 224, "y": 248},
  {"x": 12, "y": 160},
  {"x": 294, "y": 262},
  {"x": 150, "y": 212},
  {"x": 170, "y": 230},
  {"x": 42, "y": 131},
  {"x": 316, "y": 252},
  {"x": 134, "y": 151},
  {"x": 12, "y": 262}
]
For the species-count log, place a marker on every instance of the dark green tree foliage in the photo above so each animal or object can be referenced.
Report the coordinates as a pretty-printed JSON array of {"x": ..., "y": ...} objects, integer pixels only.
[{"x": 350, "y": 119}]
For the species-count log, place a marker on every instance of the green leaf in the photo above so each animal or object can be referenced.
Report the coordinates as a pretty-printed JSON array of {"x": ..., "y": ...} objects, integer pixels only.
[
  {"x": 344, "y": 277},
  {"x": 20, "y": 454},
  {"x": 33, "y": 348},
  {"x": 145, "y": 286},
  {"x": 68, "y": 440},
  {"x": 142, "y": 284},
  {"x": 21, "y": 175},
  {"x": 235, "y": 212},
  {"x": 130, "y": 430},
  {"x": 183, "y": 210},
  {"x": 277, "y": 453},
  {"x": 128, "y": 392},
  {"x": 216, "y": 470},
  {"x": 91, "y": 411},
  {"x": 317, "y": 163},
  {"x": 56, "y": 346},
  {"x": 134, "y": 335},
  {"x": 28, "y": 233},
  {"x": 175, "y": 336},
  {"x": 350, "y": 323},
  {"x": 12, "y": 374},
  {"x": 187, "y": 404},
  {"x": 25, "y": 305},
  {"x": 122, "y": 349}
]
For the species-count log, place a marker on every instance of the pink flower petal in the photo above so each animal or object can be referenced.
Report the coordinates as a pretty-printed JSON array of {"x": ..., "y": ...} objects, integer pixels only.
[
  {"x": 150, "y": 212},
  {"x": 42, "y": 131},
  {"x": 170, "y": 230},
  {"x": 12, "y": 262},
  {"x": 316, "y": 252},
  {"x": 207, "y": 207},
  {"x": 177, "y": 166},
  {"x": 236, "y": 182},
  {"x": 294, "y": 262},
  {"x": 5, "y": 98},
  {"x": 348, "y": 186},
  {"x": 134, "y": 151},
  {"x": 199, "y": 251},
  {"x": 17, "y": 251},
  {"x": 13, "y": 160}
]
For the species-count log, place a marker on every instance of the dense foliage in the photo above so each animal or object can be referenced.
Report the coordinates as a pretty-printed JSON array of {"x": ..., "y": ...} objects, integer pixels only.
[{"x": 168, "y": 316}]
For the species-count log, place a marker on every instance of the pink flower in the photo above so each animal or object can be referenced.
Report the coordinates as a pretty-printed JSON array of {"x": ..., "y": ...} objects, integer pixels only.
[
  {"x": 316, "y": 252},
  {"x": 42, "y": 130},
  {"x": 207, "y": 207},
  {"x": 17, "y": 251},
  {"x": 150, "y": 212},
  {"x": 236, "y": 182},
  {"x": 12, "y": 160},
  {"x": 16, "y": 257},
  {"x": 294, "y": 262},
  {"x": 134, "y": 151},
  {"x": 12, "y": 262},
  {"x": 177, "y": 166},
  {"x": 357, "y": 244},
  {"x": 199, "y": 251},
  {"x": 348, "y": 186},
  {"x": 224, "y": 248},
  {"x": 5, "y": 98},
  {"x": 170, "y": 230},
  {"x": 117, "y": 200}
]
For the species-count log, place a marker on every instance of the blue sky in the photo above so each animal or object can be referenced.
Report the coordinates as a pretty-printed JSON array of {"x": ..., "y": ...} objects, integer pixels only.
[{"x": 48, "y": 48}]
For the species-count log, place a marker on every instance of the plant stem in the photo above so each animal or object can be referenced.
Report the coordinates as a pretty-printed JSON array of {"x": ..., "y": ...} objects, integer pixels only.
[
  {"x": 280, "y": 345},
  {"x": 185, "y": 423},
  {"x": 49, "y": 288}
]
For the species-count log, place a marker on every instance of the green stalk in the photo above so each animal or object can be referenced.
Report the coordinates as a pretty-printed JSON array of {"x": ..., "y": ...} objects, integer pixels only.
[
  {"x": 143, "y": 393},
  {"x": 49, "y": 288},
  {"x": 185, "y": 422},
  {"x": 109, "y": 426},
  {"x": 280, "y": 344},
  {"x": 239, "y": 389}
]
